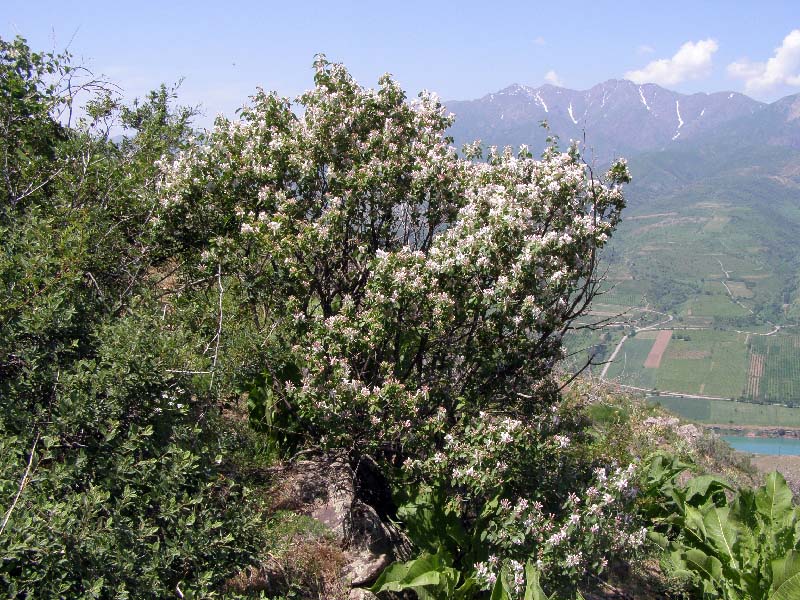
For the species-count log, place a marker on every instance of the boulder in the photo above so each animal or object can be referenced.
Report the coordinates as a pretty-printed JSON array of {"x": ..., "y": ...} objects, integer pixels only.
[{"x": 331, "y": 493}]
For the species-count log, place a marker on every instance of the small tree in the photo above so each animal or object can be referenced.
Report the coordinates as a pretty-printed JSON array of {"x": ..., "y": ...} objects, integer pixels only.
[
  {"x": 408, "y": 304},
  {"x": 400, "y": 283}
]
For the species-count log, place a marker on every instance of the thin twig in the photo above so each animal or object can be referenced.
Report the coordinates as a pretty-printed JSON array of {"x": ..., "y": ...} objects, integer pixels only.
[
  {"x": 219, "y": 326},
  {"x": 23, "y": 482}
]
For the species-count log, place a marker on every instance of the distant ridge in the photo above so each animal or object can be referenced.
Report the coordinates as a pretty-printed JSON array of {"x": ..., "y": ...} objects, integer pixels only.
[{"x": 618, "y": 116}]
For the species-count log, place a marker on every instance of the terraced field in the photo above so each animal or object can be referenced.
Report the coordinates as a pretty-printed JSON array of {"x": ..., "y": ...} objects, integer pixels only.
[
  {"x": 775, "y": 368},
  {"x": 726, "y": 285}
]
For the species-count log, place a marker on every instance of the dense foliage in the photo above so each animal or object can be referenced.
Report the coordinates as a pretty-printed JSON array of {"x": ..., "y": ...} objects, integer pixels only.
[
  {"x": 744, "y": 547},
  {"x": 108, "y": 471},
  {"x": 368, "y": 292}
]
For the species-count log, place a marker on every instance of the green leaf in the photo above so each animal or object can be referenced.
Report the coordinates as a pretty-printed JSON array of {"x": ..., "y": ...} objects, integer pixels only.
[
  {"x": 429, "y": 575},
  {"x": 658, "y": 538},
  {"x": 533, "y": 588},
  {"x": 721, "y": 533},
  {"x": 708, "y": 567},
  {"x": 774, "y": 499},
  {"x": 786, "y": 576},
  {"x": 499, "y": 591},
  {"x": 701, "y": 490},
  {"x": 695, "y": 527},
  {"x": 788, "y": 590}
]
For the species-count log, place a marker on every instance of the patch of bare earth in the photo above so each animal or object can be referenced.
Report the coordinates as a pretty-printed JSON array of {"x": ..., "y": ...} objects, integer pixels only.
[
  {"x": 754, "y": 374},
  {"x": 788, "y": 466},
  {"x": 653, "y": 360}
]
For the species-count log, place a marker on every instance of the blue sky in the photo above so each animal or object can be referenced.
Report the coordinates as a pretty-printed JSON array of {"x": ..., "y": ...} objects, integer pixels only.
[{"x": 460, "y": 50}]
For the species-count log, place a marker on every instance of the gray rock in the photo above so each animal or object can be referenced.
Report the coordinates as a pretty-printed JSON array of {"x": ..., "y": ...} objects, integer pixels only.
[{"x": 328, "y": 486}]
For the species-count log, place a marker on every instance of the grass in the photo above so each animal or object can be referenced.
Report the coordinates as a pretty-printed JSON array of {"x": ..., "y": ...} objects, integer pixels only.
[
  {"x": 628, "y": 368},
  {"x": 728, "y": 412},
  {"x": 711, "y": 363},
  {"x": 714, "y": 305}
]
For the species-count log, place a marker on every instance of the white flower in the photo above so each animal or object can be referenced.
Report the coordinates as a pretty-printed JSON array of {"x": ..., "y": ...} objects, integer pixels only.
[{"x": 573, "y": 560}]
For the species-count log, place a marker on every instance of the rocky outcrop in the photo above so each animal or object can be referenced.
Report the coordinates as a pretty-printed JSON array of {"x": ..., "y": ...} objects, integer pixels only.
[{"x": 327, "y": 488}]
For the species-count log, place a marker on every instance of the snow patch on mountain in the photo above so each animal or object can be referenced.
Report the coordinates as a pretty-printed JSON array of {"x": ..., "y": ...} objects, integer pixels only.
[
  {"x": 644, "y": 100},
  {"x": 571, "y": 116},
  {"x": 680, "y": 120},
  {"x": 541, "y": 101}
]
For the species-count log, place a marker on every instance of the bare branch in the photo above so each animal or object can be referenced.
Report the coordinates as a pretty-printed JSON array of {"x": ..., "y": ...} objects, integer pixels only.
[{"x": 22, "y": 483}]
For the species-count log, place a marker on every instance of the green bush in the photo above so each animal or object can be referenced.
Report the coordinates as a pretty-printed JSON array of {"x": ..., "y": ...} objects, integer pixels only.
[
  {"x": 111, "y": 471},
  {"x": 744, "y": 547}
]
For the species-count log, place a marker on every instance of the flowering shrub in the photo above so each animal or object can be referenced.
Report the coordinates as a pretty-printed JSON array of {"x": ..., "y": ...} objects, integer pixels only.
[
  {"x": 402, "y": 285},
  {"x": 507, "y": 492},
  {"x": 412, "y": 302}
]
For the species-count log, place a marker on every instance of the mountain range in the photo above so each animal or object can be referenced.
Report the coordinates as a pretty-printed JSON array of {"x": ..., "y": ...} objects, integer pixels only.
[{"x": 621, "y": 118}]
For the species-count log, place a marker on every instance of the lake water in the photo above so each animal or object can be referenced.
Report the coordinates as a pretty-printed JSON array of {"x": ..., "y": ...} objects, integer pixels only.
[{"x": 764, "y": 445}]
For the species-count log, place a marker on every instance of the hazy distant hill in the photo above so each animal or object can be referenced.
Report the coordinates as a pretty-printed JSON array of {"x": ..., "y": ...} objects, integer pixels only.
[{"x": 618, "y": 116}]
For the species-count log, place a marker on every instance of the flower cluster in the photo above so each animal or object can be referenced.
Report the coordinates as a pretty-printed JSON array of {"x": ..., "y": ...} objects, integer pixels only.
[{"x": 581, "y": 537}]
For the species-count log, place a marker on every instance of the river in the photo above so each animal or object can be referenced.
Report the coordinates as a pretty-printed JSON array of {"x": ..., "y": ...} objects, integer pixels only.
[{"x": 764, "y": 445}]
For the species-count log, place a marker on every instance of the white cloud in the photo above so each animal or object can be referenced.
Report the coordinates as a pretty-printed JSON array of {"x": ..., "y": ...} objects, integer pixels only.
[
  {"x": 553, "y": 78},
  {"x": 539, "y": 41},
  {"x": 782, "y": 69},
  {"x": 691, "y": 61},
  {"x": 645, "y": 49}
]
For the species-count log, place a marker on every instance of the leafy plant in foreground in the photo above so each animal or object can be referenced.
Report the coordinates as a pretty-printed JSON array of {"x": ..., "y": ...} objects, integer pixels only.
[{"x": 747, "y": 547}]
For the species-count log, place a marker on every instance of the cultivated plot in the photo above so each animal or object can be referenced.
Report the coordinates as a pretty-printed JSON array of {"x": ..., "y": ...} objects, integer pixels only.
[{"x": 774, "y": 373}]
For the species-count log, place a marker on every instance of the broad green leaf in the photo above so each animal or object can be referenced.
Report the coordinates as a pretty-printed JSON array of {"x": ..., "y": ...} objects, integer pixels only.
[
  {"x": 743, "y": 508},
  {"x": 533, "y": 589},
  {"x": 499, "y": 591},
  {"x": 429, "y": 575},
  {"x": 708, "y": 567},
  {"x": 721, "y": 533},
  {"x": 784, "y": 569},
  {"x": 467, "y": 589},
  {"x": 774, "y": 499},
  {"x": 695, "y": 527},
  {"x": 788, "y": 590},
  {"x": 658, "y": 538},
  {"x": 705, "y": 488}
]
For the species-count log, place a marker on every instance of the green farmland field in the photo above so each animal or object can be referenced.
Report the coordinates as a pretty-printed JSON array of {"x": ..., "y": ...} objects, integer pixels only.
[
  {"x": 705, "y": 362},
  {"x": 628, "y": 368},
  {"x": 780, "y": 380},
  {"x": 711, "y": 363},
  {"x": 725, "y": 272},
  {"x": 727, "y": 412}
]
